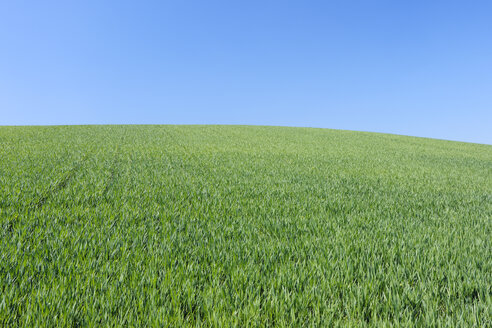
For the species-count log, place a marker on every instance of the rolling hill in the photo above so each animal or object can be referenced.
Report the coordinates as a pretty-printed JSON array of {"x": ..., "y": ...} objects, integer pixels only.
[{"x": 161, "y": 225}]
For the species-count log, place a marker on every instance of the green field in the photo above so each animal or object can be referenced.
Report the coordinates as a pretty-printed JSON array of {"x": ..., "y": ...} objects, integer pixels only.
[{"x": 242, "y": 226}]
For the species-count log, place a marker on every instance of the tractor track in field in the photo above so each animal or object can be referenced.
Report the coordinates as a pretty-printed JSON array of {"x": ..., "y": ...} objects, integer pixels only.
[
  {"x": 113, "y": 169},
  {"x": 61, "y": 184},
  {"x": 72, "y": 172},
  {"x": 111, "y": 179}
]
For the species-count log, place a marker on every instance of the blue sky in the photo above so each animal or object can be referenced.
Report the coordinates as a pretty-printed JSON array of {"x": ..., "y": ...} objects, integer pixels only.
[{"x": 421, "y": 68}]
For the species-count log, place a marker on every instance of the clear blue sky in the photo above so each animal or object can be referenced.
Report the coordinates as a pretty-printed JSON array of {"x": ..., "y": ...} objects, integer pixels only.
[{"x": 420, "y": 68}]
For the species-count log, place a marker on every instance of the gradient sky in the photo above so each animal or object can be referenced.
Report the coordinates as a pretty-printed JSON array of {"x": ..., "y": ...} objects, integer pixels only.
[{"x": 421, "y": 68}]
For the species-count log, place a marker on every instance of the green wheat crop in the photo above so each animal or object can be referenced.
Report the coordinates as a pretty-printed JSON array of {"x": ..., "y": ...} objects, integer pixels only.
[{"x": 242, "y": 226}]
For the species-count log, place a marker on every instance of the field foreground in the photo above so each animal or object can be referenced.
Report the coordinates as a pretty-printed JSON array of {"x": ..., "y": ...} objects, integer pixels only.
[{"x": 242, "y": 226}]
